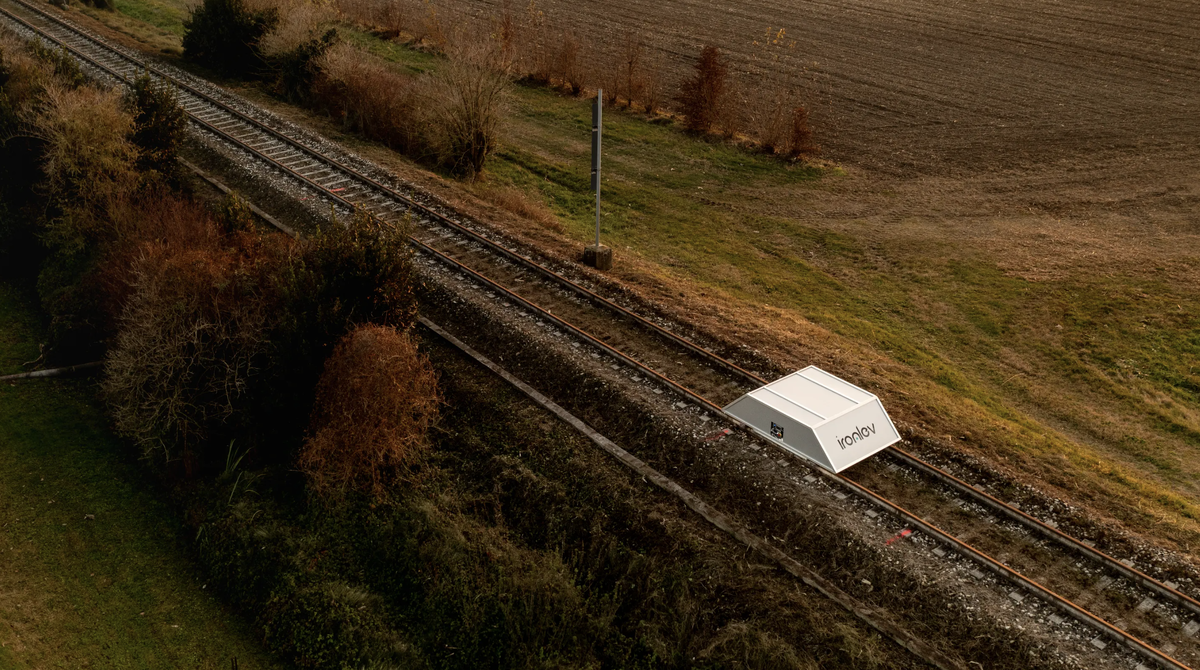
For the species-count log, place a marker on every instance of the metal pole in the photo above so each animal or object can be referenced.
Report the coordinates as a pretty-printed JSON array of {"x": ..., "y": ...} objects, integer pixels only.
[{"x": 596, "y": 124}]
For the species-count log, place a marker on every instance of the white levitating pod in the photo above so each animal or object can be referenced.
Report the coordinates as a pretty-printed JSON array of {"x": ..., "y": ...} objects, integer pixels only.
[{"x": 813, "y": 414}]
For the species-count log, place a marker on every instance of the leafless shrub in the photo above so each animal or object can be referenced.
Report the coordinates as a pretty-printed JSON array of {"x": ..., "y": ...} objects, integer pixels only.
[
  {"x": 654, "y": 84},
  {"x": 506, "y": 35},
  {"x": 704, "y": 96},
  {"x": 375, "y": 402},
  {"x": 568, "y": 69},
  {"x": 776, "y": 118},
  {"x": 632, "y": 59},
  {"x": 606, "y": 66},
  {"x": 469, "y": 95},
  {"x": 534, "y": 45}
]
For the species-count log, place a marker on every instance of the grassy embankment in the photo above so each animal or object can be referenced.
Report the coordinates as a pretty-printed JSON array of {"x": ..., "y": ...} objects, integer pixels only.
[
  {"x": 1084, "y": 379},
  {"x": 93, "y": 572}
]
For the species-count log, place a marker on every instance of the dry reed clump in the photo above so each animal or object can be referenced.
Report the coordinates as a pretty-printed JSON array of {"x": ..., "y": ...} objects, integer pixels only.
[{"x": 375, "y": 402}]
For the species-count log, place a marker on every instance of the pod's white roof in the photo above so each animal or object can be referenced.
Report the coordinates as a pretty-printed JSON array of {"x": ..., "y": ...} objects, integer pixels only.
[
  {"x": 811, "y": 396},
  {"x": 816, "y": 415}
]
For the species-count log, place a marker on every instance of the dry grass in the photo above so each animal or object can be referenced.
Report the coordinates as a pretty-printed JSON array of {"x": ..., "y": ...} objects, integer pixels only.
[
  {"x": 517, "y": 202},
  {"x": 375, "y": 402}
]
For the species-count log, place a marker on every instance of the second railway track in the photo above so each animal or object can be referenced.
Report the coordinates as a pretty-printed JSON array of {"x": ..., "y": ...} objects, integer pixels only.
[{"x": 1152, "y": 618}]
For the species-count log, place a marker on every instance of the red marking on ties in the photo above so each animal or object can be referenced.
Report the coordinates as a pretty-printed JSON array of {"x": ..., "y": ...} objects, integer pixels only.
[
  {"x": 899, "y": 536},
  {"x": 337, "y": 190},
  {"x": 718, "y": 435}
]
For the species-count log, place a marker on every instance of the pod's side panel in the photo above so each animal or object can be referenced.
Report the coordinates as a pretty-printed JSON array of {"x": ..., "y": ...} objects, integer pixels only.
[
  {"x": 857, "y": 434},
  {"x": 780, "y": 429}
]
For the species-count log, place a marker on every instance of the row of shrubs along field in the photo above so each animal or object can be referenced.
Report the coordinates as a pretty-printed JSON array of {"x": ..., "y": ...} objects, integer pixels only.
[
  {"x": 452, "y": 113},
  {"x": 276, "y": 390}
]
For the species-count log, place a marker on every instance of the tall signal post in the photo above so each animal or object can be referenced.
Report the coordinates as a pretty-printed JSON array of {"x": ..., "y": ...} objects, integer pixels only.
[{"x": 597, "y": 255}]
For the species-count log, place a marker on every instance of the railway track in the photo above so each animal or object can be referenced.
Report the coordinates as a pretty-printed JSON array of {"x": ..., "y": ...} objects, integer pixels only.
[{"x": 1122, "y": 604}]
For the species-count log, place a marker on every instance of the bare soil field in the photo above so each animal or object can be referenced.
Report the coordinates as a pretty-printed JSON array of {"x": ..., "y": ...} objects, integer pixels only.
[{"x": 951, "y": 88}]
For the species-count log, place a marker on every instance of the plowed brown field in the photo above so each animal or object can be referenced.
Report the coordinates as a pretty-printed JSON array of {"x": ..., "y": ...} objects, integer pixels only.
[{"x": 944, "y": 87}]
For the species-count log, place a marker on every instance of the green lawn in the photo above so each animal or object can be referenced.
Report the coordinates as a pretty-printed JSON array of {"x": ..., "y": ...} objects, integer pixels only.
[{"x": 93, "y": 570}]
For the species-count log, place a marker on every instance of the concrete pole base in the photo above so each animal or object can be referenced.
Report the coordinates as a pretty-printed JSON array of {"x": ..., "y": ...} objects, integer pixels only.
[{"x": 599, "y": 257}]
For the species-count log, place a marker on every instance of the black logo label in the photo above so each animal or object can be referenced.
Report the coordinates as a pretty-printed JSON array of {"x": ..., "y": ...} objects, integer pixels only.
[
  {"x": 776, "y": 430},
  {"x": 859, "y": 435}
]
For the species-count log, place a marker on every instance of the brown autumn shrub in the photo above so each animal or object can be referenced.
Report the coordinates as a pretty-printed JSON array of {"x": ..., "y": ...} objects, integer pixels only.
[
  {"x": 703, "y": 97},
  {"x": 371, "y": 98},
  {"x": 193, "y": 335},
  {"x": 159, "y": 218},
  {"x": 375, "y": 402}
]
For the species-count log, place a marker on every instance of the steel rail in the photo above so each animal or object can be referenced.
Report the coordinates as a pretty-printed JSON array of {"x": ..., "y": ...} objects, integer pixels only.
[{"x": 1074, "y": 610}]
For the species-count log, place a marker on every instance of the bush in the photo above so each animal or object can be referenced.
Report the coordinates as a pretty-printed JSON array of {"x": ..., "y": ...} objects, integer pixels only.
[
  {"x": 470, "y": 95},
  {"x": 158, "y": 125},
  {"x": 348, "y": 274},
  {"x": 297, "y": 69},
  {"x": 192, "y": 336},
  {"x": 87, "y": 164},
  {"x": 370, "y": 98},
  {"x": 568, "y": 69},
  {"x": 65, "y": 68},
  {"x": 703, "y": 97},
  {"x": 224, "y": 35},
  {"x": 375, "y": 402},
  {"x": 21, "y": 80}
]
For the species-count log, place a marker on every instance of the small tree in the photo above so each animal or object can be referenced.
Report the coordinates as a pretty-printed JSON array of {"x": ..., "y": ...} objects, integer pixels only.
[
  {"x": 158, "y": 124},
  {"x": 375, "y": 402},
  {"x": 224, "y": 35},
  {"x": 703, "y": 96}
]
